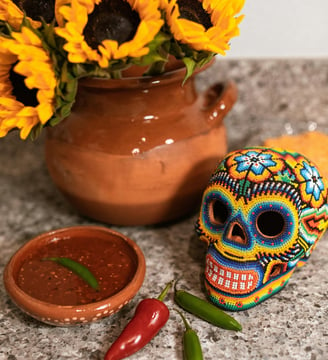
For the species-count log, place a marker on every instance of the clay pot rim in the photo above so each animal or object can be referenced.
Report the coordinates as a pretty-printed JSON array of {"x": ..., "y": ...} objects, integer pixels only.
[
  {"x": 133, "y": 81},
  {"x": 177, "y": 73},
  {"x": 40, "y": 309}
]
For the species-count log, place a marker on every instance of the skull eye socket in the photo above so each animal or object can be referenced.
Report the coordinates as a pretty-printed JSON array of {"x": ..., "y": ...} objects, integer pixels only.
[
  {"x": 218, "y": 212},
  {"x": 270, "y": 223}
]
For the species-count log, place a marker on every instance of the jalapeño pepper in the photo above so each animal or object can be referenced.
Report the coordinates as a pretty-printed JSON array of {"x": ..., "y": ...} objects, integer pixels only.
[
  {"x": 192, "y": 349},
  {"x": 205, "y": 310},
  {"x": 78, "y": 269}
]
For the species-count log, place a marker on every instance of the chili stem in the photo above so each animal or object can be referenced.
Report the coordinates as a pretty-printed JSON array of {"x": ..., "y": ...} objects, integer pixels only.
[
  {"x": 192, "y": 349},
  {"x": 186, "y": 324},
  {"x": 163, "y": 294}
]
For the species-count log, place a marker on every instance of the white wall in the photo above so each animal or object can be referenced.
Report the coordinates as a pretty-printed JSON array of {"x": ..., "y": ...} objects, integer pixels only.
[{"x": 282, "y": 28}]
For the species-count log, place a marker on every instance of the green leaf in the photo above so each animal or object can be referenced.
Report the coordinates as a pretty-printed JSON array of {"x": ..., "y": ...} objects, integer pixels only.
[
  {"x": 190, "y": 67},
  {"x": 156, "y": 55},
  {"x": 35, "y": 132},
  {"x": 244, "y": 185},
  {"x": 49, "y": 34}
]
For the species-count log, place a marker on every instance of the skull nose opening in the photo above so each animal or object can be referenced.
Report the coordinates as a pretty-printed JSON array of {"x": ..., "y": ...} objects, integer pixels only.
[{"x": 237, "y": 234}]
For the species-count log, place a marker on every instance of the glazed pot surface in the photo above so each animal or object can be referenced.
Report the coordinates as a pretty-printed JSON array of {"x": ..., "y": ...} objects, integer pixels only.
[{"x": 139, "y": 151}]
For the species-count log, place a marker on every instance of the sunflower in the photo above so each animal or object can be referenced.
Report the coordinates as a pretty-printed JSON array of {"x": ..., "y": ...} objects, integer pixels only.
[
  {"x": 12, "y": 11},
  {"x": 12, "y": 14},
  {"x": 206, "y": 25},
  {"x": 27, "y": 83},
  {"x": 104, "y": 30}
]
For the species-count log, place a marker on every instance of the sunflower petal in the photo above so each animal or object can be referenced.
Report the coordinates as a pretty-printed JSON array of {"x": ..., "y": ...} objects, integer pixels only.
[{"x": 23, "y": 54}]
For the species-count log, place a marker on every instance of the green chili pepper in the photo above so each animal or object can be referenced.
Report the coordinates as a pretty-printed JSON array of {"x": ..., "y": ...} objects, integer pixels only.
[
  {"x": 78, "y": 269},
  {"x": 192, "y": 349},
  {"x": 205, "y": 310}
]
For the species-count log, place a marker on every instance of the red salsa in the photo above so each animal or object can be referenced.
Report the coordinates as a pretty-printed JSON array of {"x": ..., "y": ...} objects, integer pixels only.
[{"x": 112, "y": 262}]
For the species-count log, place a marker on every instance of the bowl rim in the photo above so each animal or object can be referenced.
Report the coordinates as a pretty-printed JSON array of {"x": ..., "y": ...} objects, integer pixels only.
[{"x": 28, "y": 303}]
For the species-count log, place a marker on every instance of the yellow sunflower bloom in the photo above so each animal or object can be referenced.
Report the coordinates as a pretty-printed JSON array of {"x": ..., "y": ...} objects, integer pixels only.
[
  {"x": 206, "y": 25},
  {"x": 104, "y": 30},
  {"x": 13, "y": 12},
  {"x": 27, "y": 83}
]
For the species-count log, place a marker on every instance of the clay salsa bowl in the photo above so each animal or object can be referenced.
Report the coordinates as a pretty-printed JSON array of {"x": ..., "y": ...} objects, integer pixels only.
[{"x": 55, "y": 294}]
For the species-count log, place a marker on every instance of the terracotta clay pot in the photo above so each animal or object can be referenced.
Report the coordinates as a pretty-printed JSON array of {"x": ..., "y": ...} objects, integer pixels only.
[{"x": 139, "y": 150}]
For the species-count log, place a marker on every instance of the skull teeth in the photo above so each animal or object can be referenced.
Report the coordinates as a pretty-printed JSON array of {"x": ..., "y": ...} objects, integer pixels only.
[{"x": 228, "y": 279}]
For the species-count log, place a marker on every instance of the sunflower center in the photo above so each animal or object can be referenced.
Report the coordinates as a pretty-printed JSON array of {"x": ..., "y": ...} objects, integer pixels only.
[
  {"x": 113, "y": 20},
  {"x": 22, "y": 94},
  {"x": 37, "y": 9},
  {"x": 193, "y": 10}
]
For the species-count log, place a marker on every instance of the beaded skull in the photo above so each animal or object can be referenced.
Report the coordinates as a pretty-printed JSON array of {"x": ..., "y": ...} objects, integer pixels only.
[{"x": 262, "y": 214}]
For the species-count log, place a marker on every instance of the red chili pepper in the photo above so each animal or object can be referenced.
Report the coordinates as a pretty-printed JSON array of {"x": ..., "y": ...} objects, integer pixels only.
[{"x": 150, "y": 316}]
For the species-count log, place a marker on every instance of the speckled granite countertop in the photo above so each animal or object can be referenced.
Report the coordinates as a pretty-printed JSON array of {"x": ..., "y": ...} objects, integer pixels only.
[{"x": 275, "y": 97}]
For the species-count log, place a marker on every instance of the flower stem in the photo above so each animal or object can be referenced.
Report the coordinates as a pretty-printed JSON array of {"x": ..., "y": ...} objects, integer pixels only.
[
  {"x": 156, "y": 68},
  {"x": 116, "y": 74}
]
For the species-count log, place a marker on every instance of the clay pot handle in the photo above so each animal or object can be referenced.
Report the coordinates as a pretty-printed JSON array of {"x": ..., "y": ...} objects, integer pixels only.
[{"x": 218, "y": 101}]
